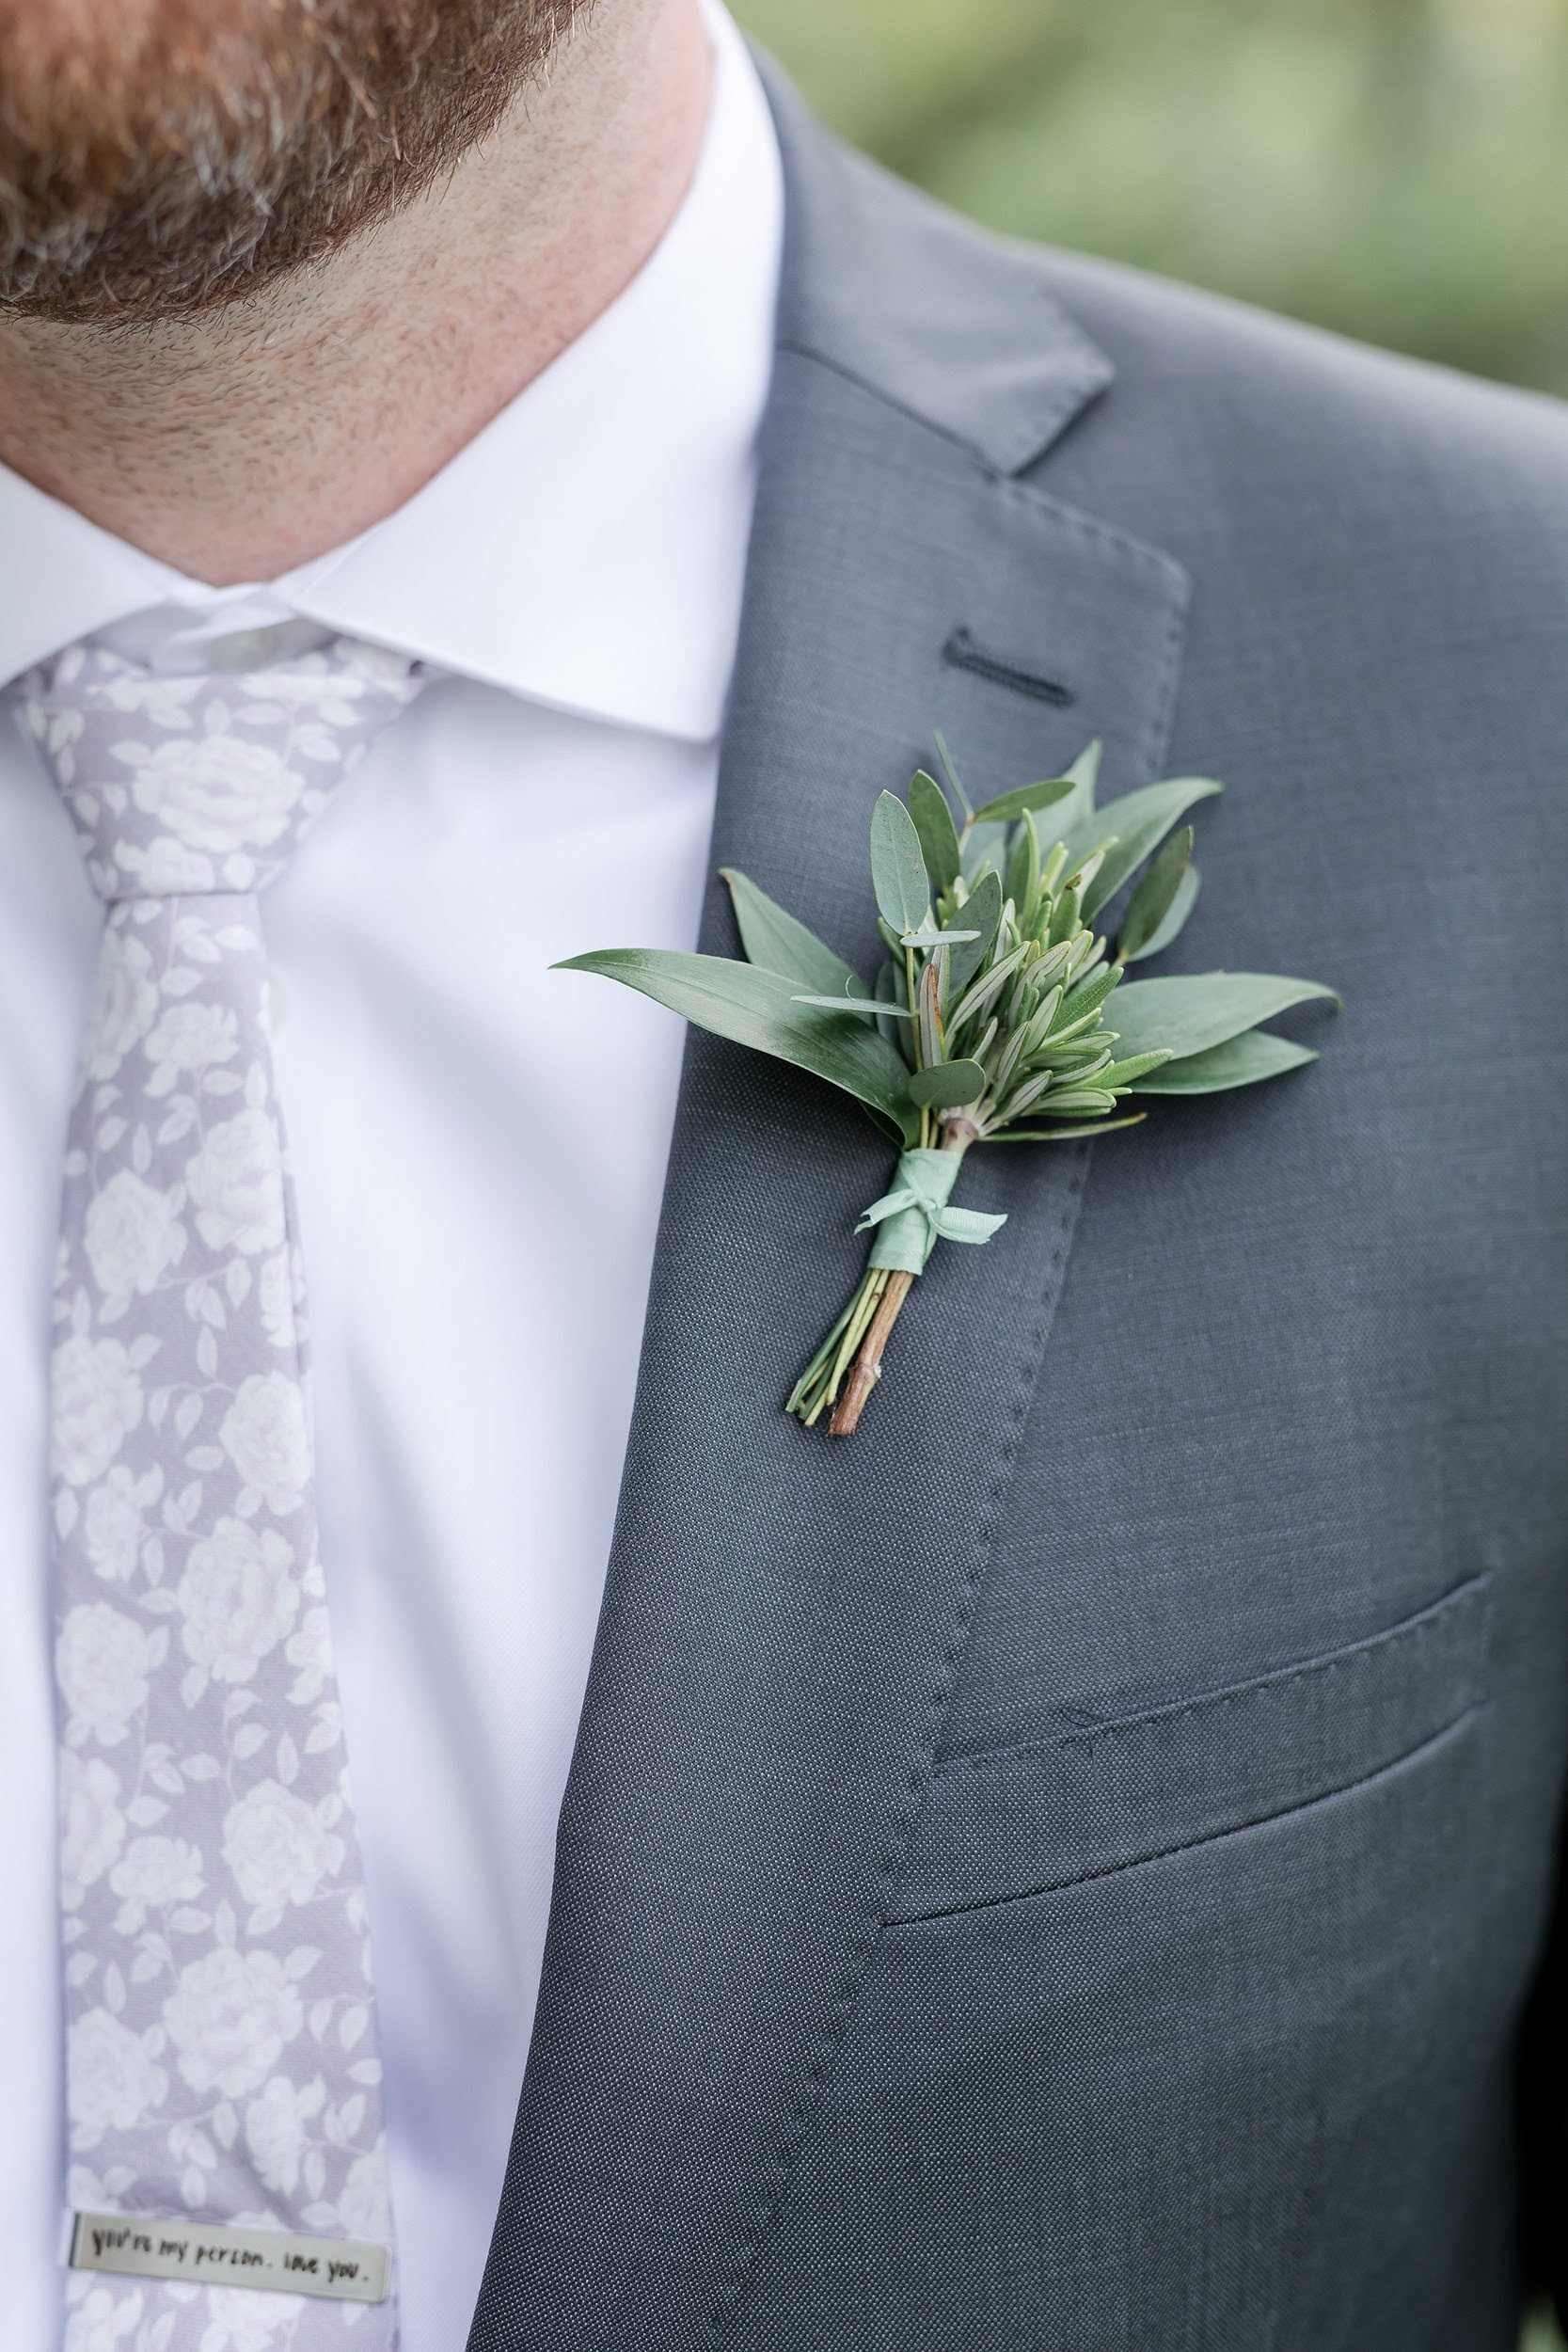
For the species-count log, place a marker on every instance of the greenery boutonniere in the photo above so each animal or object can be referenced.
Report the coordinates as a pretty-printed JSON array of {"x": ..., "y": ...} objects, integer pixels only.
[{"x": 989, "y": 1020}]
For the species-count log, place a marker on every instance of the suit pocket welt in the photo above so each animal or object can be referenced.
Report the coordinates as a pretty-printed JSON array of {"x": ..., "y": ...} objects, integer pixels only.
[{"x": 1020, "y": 1821}]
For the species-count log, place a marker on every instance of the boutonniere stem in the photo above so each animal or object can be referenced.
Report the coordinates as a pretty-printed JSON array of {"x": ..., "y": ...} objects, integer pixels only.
[
  {"x": 850, "y": 1358},
  {"x": 990, "y": 1017}
]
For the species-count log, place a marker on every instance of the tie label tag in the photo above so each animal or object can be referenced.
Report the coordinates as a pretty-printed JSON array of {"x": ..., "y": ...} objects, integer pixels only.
[{"x": 211, "y": 2254}]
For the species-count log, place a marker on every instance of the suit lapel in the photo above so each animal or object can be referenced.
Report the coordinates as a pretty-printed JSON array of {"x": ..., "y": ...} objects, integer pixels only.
[{"x": 785, "y": 1614}]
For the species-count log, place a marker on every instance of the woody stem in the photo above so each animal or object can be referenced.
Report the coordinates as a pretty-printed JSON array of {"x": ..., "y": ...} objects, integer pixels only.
[
  {"x": 957, "y": 1136},
  {"x": 868, "y": 1363}
]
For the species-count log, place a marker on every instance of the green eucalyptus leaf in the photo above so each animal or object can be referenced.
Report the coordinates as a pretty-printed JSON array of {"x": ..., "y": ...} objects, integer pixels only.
[
  {"x": 1140, "y": 822},
  {"x": 931, "y": 935},
  {"x": 1151, "y": 901},
  {"x": 889, "y": 1003},
  {"x": 1181, "y": 907},
  {"x": 1008, "y": 806},
  {"x": 1240, "y": 1062},
  {"x": 898, "y": 872},
  {"x": 948, "y": 1084},
  {"x": 1190, "y": 1014},
  {"x": 981, "y": 912},
  {"x": 866, "y": 1008},
  {"x": 1068, "y": 813},
  {"x": 939, "y": 834},
  {"x": 1023, "y": 876},
  {"x": 985, "y": 848},
  {"x": 773, "y": 939},
  {"x": 898, "y": 1135},
  {"x": 953, "y": 776},
  {"x": 757, "y": 1008}
]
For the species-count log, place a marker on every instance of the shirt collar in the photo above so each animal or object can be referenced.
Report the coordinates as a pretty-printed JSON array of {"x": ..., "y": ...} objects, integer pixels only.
[{"x": 587, "y": 548}]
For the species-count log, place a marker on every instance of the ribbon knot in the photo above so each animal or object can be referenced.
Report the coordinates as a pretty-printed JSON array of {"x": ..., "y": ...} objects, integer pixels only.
[{"x": 914, "y": 1216}]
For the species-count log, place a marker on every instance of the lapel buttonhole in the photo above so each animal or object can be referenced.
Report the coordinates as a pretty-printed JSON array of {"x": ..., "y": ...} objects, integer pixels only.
[{"x": 960, "y": 652}]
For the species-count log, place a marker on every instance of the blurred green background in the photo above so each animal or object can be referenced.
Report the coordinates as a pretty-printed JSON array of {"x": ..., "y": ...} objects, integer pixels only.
[{"x": 1394, "y": 168}]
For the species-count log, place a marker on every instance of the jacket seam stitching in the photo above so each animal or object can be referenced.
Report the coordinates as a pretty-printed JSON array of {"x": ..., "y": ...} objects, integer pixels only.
[{"x": 803, "y": 2109}]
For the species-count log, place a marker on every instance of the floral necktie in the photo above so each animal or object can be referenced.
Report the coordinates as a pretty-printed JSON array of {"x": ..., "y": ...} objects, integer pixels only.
[{"x": 222, "y": 2078}]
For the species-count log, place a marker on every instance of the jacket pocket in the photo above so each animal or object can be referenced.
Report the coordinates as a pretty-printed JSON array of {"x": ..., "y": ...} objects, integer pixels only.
[{"x": 1088, "y": 1801}]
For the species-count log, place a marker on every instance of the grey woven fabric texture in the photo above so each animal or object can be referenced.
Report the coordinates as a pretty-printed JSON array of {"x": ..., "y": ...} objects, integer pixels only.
[{"x": 1064, "y": 1870}]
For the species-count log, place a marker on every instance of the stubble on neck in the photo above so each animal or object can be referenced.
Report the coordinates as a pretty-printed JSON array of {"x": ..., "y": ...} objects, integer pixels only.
[{"x": 239, "y": 438}]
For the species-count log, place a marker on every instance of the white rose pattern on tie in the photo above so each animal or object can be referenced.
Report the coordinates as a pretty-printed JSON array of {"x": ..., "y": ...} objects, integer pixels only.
[{"x": 221, "y": 2055}]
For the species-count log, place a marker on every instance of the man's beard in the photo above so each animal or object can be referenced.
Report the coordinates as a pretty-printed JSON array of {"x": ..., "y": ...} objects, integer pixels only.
[{"x": 159, "y": 158}]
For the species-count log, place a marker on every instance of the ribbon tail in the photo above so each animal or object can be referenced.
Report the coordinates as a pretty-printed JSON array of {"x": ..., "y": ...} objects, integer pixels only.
[
  {"x": 891, "y": 1204},
  {"x": 970, "y": 1225}
]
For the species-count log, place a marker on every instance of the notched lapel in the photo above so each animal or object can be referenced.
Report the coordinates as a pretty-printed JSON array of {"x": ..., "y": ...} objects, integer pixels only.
[{"x": 785, "y": 1613}]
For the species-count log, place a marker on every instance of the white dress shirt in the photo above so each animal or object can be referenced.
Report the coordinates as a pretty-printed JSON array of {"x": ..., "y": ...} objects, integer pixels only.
[{"x": 479, "y": 1145}]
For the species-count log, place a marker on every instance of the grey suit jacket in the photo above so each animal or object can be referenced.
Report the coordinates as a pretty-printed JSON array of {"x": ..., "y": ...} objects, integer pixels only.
[{"x": 1065, "y": 1870}]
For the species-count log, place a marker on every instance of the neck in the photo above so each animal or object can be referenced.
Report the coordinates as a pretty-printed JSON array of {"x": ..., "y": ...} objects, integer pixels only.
[{"x": 239, "y": 444}]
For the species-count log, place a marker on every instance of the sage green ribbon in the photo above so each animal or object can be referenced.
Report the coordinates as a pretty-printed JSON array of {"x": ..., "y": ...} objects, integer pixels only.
[{"x": 914, "y": 1216}]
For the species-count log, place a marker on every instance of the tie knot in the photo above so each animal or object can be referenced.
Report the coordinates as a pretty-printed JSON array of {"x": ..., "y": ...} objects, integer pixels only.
[{"x": 205, "y": 782}]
